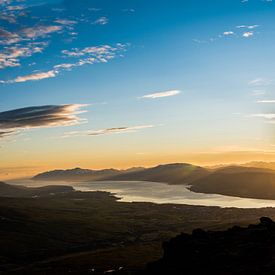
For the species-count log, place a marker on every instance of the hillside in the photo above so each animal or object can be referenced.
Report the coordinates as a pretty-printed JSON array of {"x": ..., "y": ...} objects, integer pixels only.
[
  {"x": 7, "y": 190},
  {"x": 232, "y": 169},
  {"x": 238, "y": 250},
  {"x": 238, "y": 181},
  {"x": 76, "y": 174},
  {"x": 74, "y": 232},
  {"x": 260, "y": 164},
  {"x": 177, "y": 173}
]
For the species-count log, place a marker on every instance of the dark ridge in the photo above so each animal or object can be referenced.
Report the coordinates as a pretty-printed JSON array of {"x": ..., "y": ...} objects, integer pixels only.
[
  {"x": 175, "y": 173},
  {"x": 76, "y": 174},
  {"x": 238, "y": 250},
  {"x": 238, "y": 182},
  {"x": 14, "y": 191}
]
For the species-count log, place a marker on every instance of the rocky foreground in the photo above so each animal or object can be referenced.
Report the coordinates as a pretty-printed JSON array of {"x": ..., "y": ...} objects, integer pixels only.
[{"x": 249, "y": 250}]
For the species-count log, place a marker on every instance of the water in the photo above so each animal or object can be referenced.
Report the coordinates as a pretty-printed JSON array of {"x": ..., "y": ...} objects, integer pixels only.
[{"x": 138, "y": 191}]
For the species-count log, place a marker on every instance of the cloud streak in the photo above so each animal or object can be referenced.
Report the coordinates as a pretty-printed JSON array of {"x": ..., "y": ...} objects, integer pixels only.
[
  {"x": 34, "y": 77},
  {"x": 227, "y": 33},
  {"x": 260, "y": 82},
  {"x": 250, "y": 27},
  {"x": 108, "y": 131},
  {"x": 6, "y": 133},
  {"x": 162, "y": 94},
  {"x": 268, "y": 117},
  {"x": 39, "y": 117},
  {"x": 266, "y": 101}
]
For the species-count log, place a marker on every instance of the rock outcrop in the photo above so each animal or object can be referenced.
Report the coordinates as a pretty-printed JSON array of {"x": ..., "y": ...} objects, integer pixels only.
[{"x": 238, "y": 250}]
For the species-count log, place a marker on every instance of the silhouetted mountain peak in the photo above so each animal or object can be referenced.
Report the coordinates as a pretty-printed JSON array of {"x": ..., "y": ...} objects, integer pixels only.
[
  {"x": 174, "y": 173},
  {"x": 176, "y": 165}
]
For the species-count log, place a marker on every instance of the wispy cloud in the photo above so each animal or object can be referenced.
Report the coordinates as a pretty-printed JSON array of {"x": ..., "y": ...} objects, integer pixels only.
[
  {"x": 35, "y": 32},
  {"x": 250, "y": 27},
  {"x": 227, "y": 33},
  {"x": 7, "y": 37},
  {"x": 104, "y": 51},
  {"x": 108, "y": 131},
  {"x": 199, "y": 41},
  {"x": 22, "y": 26},
  {"x": 6, "y": 133},
  {"x": 16, "y": 120},
  {"x": 266, "y": 101},
  {"x": 162, "y": 94},
  {"x": 16, "y": 8},
  {"x": 9, "y": 18},
  {"x": 266, "y": 117},
  {"x": 248, "y": 34},
  {"x": 240, "y": 31},
  {"x": 258, "y": 92},
  {"x": 65, "y": 22},
  {"x": 269, "y": 116},
  {"x": 260, "y": 82},
  {"x": 79, "y": 57},
  {"x": 129, "y": 10},
  {"x": 10, "y": 56},
  {"x": 27, "y": 34},
  {"x": 34, "y": 77},
  {"x": 101, "y": 21}
]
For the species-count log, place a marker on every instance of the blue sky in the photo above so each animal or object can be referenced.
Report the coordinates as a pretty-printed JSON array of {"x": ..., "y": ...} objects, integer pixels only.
[{"x": 135, "y": 82}]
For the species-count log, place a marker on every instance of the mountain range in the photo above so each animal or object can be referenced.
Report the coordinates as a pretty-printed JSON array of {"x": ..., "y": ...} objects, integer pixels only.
[
  {"x": 250, "y": 180},
  {"x": 176, "y": 173}
]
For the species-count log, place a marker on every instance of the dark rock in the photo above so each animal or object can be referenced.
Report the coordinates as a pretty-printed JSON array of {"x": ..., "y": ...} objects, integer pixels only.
[
  {"x": 266, "y": 221},
  {"x": 199, "y": 233},
  {"x": 249, "y": 250}
]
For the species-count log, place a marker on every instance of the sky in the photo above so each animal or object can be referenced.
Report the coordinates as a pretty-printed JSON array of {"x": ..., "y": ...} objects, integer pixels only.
[{"x": 101, "y": 83}]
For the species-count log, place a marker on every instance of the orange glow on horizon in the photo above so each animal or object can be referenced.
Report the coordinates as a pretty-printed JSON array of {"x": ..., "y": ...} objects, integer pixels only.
[{"x": 16, "y": 170}]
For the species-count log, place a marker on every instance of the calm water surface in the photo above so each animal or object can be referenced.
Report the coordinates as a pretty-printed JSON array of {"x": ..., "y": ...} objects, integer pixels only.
[{"x": 138, "y": 191}]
